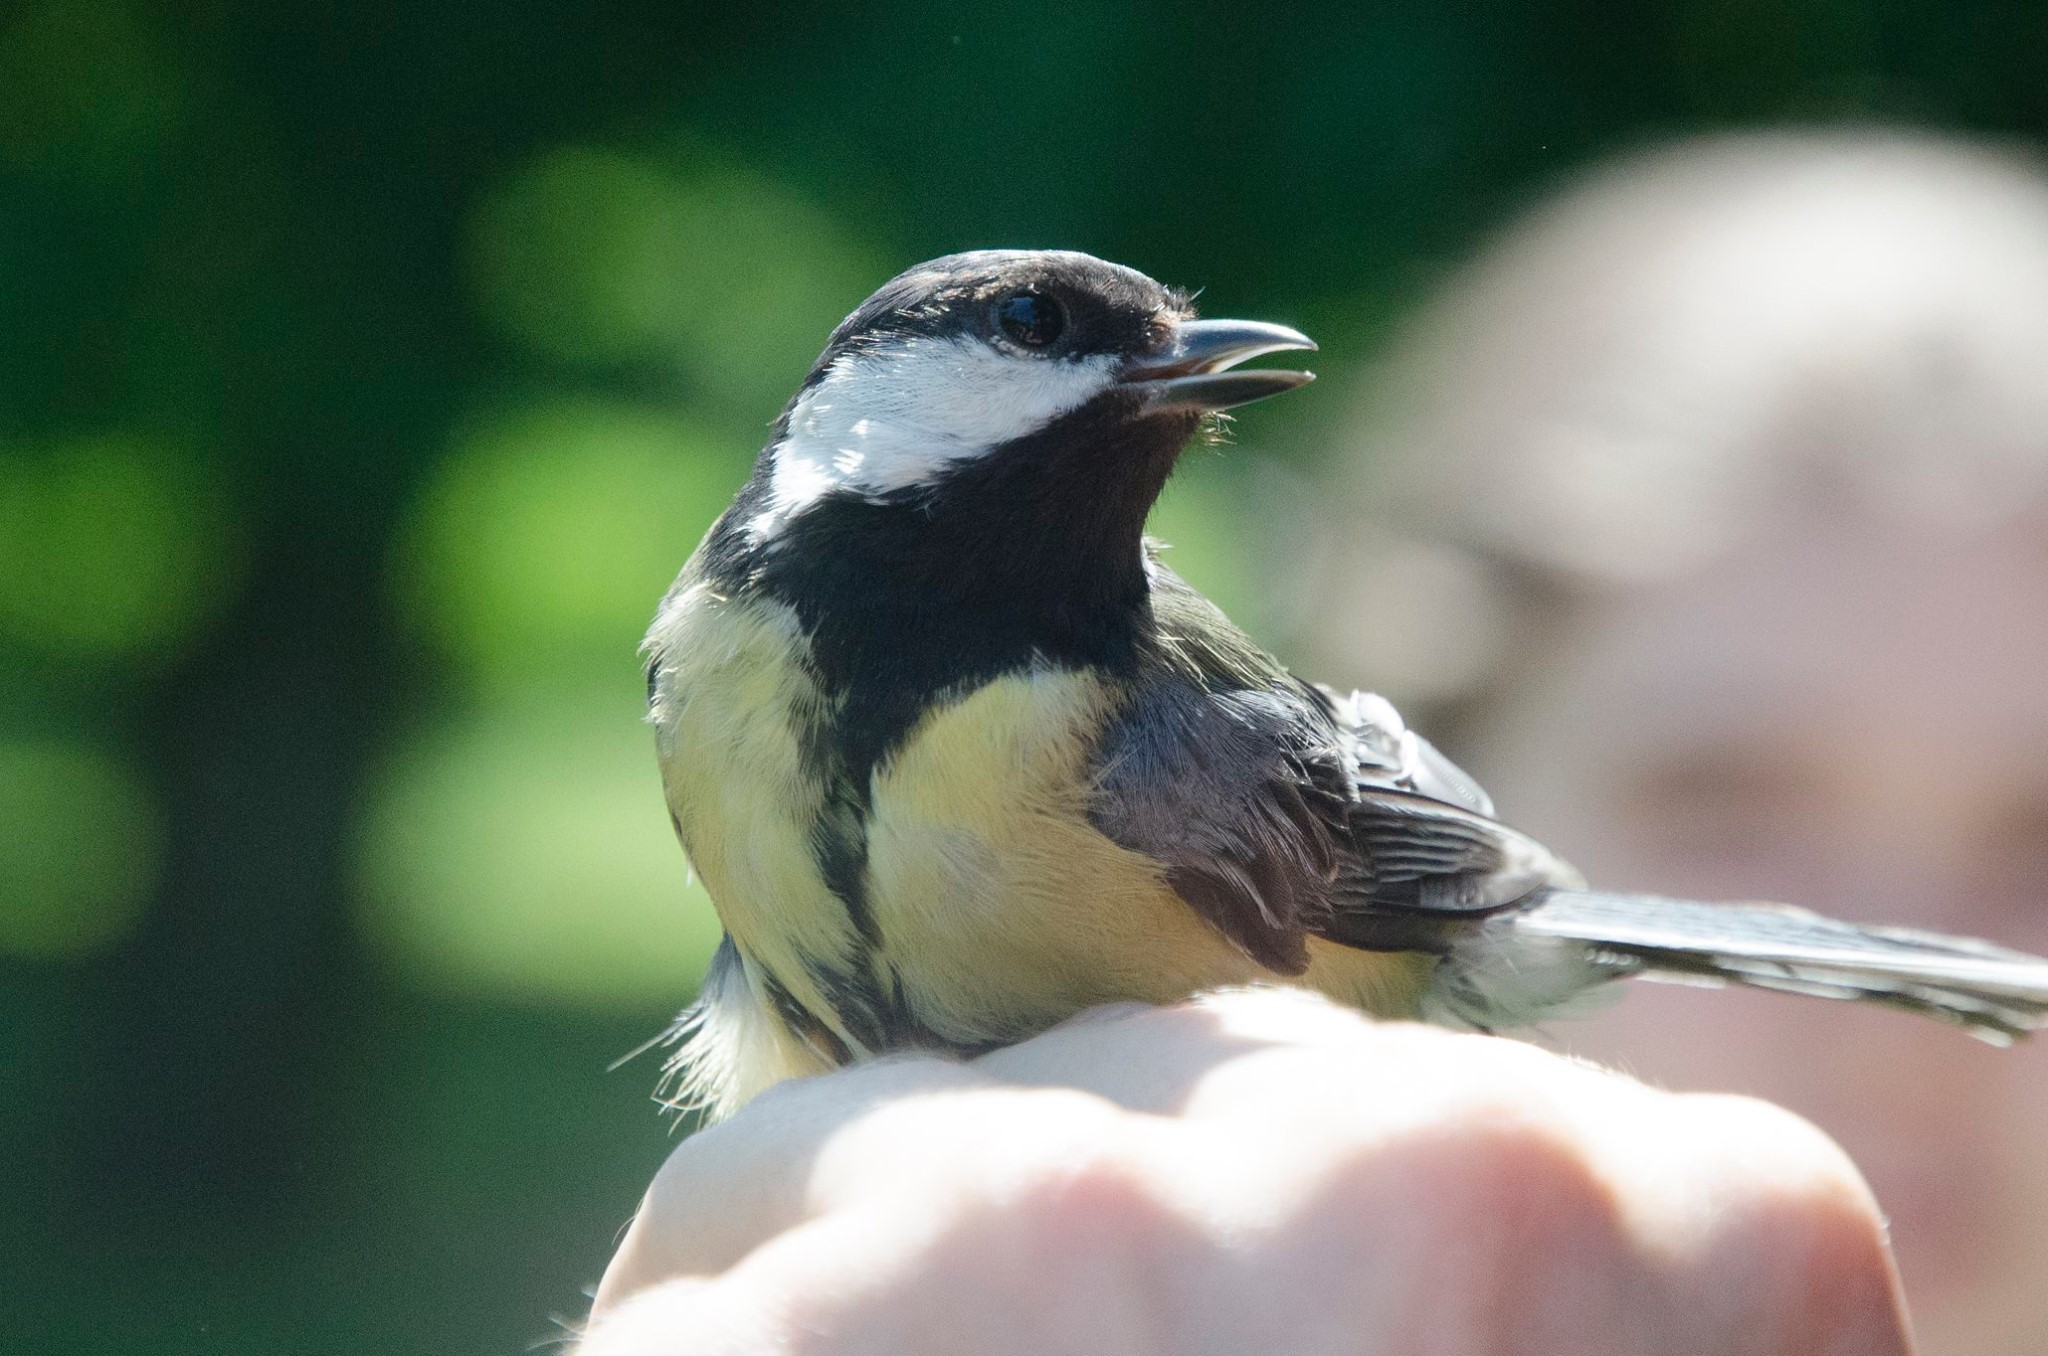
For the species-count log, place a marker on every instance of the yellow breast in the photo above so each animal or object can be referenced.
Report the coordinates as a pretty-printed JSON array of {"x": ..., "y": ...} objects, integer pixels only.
[
  {"x": 731, "y": 697},
  {"x": 992, "y": 890},
  {"x": 998, "y": 909}
]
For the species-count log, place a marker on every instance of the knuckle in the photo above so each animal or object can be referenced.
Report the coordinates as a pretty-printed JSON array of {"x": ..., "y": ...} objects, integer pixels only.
[{"x": 1779, "y": 1155}]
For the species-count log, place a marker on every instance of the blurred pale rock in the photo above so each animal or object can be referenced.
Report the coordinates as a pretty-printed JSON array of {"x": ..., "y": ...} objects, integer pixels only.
[{"x": 1722, "y": 339}]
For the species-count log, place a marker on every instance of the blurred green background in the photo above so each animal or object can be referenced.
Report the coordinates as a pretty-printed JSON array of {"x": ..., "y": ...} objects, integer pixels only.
[{"x": 366, "y": 372}]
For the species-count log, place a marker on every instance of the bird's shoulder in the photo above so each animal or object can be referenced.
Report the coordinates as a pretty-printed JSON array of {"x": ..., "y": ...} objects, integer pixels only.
[
  {"x": 1222, "y": 767},
  {"x": 1282, "y": 809}
]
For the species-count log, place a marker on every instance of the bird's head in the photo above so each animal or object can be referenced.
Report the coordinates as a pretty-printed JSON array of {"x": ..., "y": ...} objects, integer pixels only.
[{"x": 1032, "y": 399}]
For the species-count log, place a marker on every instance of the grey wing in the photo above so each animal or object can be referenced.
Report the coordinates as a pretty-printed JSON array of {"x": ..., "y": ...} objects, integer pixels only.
[
  {"x": 1240, "y": 796},
  {"x": 1425, "y": 827},
  {"x": 1284, "y": 811}
]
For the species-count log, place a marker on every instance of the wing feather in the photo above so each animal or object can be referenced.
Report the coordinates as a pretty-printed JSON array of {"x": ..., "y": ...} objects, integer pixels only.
[{"x": 1281, "y": 810}]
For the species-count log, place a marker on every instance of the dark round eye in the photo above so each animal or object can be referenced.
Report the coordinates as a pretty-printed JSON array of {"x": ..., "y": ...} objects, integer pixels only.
[{"x": 1033, "y": 319}]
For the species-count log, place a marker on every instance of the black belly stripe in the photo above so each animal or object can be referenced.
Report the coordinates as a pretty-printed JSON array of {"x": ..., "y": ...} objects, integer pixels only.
[
  {"x": 865, "y": 995},
  {"x": 1027, "y": 556},
  {"x": 839, "y": 835},
  {"x": 870, "y": 1004},
  {"x": 821, "y": 1038}
]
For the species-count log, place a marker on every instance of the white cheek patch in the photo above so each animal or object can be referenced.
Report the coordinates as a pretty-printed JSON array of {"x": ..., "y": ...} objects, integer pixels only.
[{"x": 897, "y": 417}]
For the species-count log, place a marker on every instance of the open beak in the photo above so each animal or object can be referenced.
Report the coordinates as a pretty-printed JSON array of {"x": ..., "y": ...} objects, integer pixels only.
[{"x": 1194, "y": 373}]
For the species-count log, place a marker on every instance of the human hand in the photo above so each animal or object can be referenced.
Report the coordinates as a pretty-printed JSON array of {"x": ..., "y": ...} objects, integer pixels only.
[{"x": 1255, "y": 1171}]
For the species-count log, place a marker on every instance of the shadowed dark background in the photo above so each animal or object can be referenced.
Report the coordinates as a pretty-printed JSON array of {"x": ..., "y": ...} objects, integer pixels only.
[{"x": 363, "y": 380}]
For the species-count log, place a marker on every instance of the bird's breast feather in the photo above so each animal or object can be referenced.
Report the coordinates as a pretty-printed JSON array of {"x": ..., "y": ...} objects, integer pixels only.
[{"x": 734, "y": 704}]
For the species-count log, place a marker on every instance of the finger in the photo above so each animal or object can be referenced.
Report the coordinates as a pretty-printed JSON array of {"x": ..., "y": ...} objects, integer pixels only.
[
  {"x": 1152, "y": 1059},
  {"x": 732, "y": 1186},
  {"x": 1588, "y": 1192},
  {"x": 1765, "y": 1209},
  {"x": 1478, "y": 1240},
  {"x": 943, "y": 1209}
]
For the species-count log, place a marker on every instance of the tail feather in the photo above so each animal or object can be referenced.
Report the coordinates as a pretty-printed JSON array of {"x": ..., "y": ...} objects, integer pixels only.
[{"x": 1998, "y": 995}]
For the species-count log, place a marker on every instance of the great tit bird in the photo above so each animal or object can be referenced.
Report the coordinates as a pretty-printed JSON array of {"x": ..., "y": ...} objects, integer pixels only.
[{"x": 957, "y": 756}]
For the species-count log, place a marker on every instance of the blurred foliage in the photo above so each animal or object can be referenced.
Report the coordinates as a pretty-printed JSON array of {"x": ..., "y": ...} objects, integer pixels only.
[
  {"x": 85, "y": 90},
  {"x": 535, "y": 553},
  {"x": 79, "y": 856},
  {"x": 365, "y": 375},
  {"x": 112, "y": 548},
  {"x": 527, "y": 853},
  {"x": 593, "y": 256}
]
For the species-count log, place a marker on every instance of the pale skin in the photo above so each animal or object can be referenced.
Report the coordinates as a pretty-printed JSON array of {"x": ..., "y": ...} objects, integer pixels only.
[
  {"x": 1257, "y": 1171},
  {"x": 1850, "y": 717}
]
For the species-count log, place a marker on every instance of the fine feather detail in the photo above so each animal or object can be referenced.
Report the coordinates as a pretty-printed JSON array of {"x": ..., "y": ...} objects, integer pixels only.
[
  {"x": 1993, "y": 993},
  {"x": 728, "y": 1046}
]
